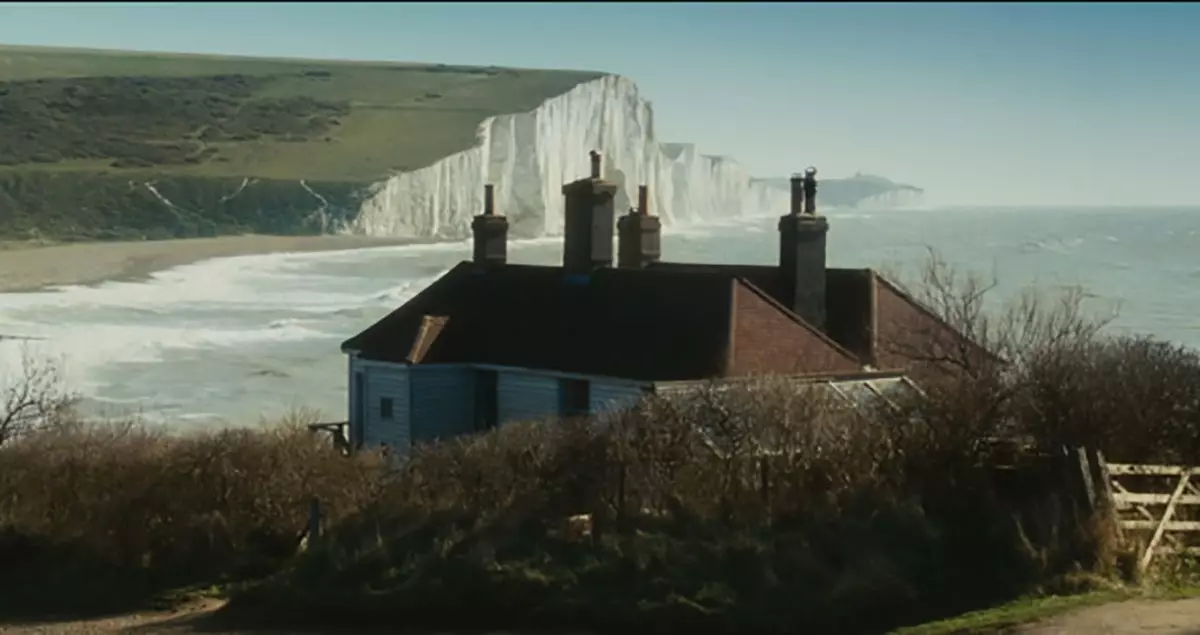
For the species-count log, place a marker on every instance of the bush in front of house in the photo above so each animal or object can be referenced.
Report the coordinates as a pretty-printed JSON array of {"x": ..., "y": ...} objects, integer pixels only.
[
  {"x": 101, "y": 516},
  {"x": 691, "y": 525}
]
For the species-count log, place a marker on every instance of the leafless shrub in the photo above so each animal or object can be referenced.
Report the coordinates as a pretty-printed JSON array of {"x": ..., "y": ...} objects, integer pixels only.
[
  {"x": 1064, "y": 382},
  {"x": 750, "y": 452},
  {"x": 995, "y": 353},
  {"x": 1136, "y": 399},
  {"x": 675, "y": 486},
  {"x": 32, "y": 397},
  {"x": 758, "y": 448},
  {"x": 988, "y": 334},
  {"x": 132, "y": 496}
]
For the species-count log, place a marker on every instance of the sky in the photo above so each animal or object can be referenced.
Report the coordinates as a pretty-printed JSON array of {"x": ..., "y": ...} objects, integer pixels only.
[{"x": 994, "y": 104}]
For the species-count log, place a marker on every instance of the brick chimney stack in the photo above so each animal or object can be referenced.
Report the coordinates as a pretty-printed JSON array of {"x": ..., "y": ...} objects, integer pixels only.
[
  {"x": 490, "y": 232},
  {"x": 802, "y": 236},
  {"x": 639, "y": 235},
  {"x": 588, "y": 226}
]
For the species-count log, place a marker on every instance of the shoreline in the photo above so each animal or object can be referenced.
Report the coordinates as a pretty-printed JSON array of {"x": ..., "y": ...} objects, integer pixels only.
[{"x": 28, "y": 267}]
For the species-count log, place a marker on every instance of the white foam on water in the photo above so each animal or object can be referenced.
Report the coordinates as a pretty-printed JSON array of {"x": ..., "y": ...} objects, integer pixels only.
[
  {"x": 91, "y": 328},
  {"x": 86, "y": 350},
  {"x": 236, "y": 280},
  {"x": 403, "y": 292}
]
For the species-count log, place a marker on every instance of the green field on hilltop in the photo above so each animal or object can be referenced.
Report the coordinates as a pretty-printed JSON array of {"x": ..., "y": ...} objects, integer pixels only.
[
  {"x": 92, "y": 142},
  {"x": 224, "y": 116}
]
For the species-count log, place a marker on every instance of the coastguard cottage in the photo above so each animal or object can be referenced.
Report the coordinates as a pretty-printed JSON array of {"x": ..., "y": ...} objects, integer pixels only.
[{"x": 492, "y": 342}]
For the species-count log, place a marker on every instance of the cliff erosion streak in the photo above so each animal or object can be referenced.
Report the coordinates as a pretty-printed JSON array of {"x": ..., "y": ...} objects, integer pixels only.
[{"x": 529, "y": 156}]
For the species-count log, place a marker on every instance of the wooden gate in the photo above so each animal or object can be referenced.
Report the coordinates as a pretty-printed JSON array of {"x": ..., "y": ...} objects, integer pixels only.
[{"x": 1159, "y": 500}]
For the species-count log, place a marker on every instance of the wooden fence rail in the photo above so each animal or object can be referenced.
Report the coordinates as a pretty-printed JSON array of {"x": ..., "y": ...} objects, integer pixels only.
[{"x": 1157, "y": 512}]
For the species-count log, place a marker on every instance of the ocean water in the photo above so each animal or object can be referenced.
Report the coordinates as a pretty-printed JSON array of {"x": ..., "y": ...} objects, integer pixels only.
[{"x": 227, "y": 341}]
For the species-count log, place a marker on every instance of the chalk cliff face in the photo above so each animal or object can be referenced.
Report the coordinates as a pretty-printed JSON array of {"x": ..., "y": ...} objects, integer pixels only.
[{"x": 528, "y": 157}]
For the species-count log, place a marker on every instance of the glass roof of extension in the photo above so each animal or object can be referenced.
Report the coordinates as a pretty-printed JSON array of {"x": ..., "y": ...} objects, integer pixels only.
[
  {"x": 872, "y": 393},
  {"x": 862, "y": 394}
]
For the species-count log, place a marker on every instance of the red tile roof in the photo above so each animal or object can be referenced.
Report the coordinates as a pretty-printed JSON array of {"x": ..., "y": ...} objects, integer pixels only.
[{"x": 664, "y": 323}]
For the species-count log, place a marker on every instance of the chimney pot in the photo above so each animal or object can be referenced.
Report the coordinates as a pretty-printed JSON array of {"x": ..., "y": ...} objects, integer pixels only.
[
  {"x": 490, "y": 232},
  {"x": 810, "y": 191},
  {"x": 639, "y": 239},
  {"x": 797, "y": 205},
  {"x": 596, "y": 158}
]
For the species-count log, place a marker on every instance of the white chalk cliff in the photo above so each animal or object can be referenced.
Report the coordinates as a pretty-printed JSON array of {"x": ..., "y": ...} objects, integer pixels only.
[{"x": 529, "y": 156}]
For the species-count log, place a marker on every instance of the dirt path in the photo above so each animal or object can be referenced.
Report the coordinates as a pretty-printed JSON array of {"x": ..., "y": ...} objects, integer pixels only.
[
  {"x": 181, "y": 620},
  {"x": 1132, "y": 617},
  {"x": 191, "y": 618},
  {"x": 194, "y": 618}
]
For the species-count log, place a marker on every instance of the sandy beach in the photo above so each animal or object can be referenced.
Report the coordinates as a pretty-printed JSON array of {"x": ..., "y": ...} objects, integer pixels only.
[{"x": 25, "y": 267}]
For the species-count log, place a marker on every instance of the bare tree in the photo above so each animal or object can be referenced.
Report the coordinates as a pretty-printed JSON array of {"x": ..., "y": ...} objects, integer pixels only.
[
  {"x": 32, "y": 398},
  {"x": 979, "y": 368},
  {"x": 984, "y": 331}
]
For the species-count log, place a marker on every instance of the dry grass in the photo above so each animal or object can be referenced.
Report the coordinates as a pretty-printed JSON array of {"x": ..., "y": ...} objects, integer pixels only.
[
  {"x": 108, "y": 513},
  {"x": 749, "y": 510}
]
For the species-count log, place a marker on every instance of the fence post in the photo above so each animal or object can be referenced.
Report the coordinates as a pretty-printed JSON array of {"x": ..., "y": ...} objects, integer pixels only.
[
  {"x": 1079, "y": 465},
  {"x": 314, "y": 521},
  {"x": 1104, "y": 491}
]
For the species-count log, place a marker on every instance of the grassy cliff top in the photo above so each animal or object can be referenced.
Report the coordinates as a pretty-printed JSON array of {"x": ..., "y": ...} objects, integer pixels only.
[{"x": 200, "y": 115}]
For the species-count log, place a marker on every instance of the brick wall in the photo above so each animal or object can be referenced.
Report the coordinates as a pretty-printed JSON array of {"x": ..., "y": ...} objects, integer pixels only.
[
  {"x": 766, "y": 340},
  {"x": 848, "y": 309},
  {"x": 909, "y": 338}
]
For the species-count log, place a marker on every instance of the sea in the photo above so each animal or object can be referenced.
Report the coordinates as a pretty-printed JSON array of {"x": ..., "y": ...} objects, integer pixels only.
[{"x": 237, "y": 341}]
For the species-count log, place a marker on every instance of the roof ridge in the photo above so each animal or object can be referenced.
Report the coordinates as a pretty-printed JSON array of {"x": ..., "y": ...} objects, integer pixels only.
[
  {"x": 385, "y": 321},
  {"x": 716, "y": 267}
]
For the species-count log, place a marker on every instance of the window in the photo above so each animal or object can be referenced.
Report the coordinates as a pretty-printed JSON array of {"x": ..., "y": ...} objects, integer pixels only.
[
  {"x": 385, "y": 408},
  {"x": 575, "y": 396},
  {"x": 487, "y": 406}
]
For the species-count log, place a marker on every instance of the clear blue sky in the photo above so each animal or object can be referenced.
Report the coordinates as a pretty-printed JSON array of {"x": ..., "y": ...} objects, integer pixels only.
[{"x": 979, "y": 103}]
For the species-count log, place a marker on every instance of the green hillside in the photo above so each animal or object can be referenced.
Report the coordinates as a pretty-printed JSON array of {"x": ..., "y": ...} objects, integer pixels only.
[{"x": 82, "y": 132}]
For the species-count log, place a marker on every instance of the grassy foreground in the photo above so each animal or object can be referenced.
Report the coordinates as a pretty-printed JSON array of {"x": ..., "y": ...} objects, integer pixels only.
[
  {"x": 1028, "y": 610},
  {"x": 1012, "y": 614}
]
